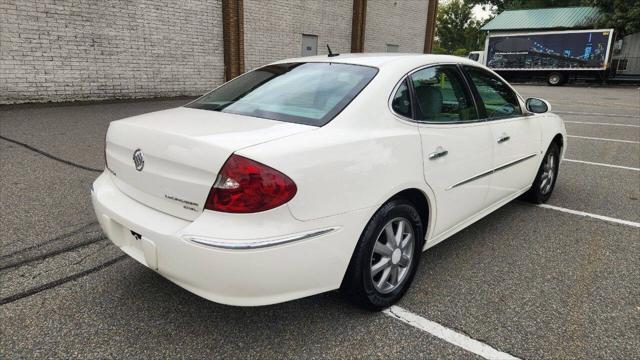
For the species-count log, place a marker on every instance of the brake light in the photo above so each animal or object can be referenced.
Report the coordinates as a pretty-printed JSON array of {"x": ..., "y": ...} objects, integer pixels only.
[{"x": 247, "y": 186}]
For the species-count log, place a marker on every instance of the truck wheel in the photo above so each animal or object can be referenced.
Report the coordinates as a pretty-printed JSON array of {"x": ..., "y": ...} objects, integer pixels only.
[{"x": 555, "y": 79}]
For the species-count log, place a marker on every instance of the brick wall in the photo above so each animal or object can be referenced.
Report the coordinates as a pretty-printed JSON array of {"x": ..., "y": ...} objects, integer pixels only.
[
  {"x": 66, "y": 50},
  {"x": 273, "y": 28},
  {"x": 61, "y": 50},
  {"x": 396, "y": 22}
]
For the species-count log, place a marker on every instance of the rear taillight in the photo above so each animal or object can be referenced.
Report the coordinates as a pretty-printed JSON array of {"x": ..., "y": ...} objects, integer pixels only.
[{"x": 247, "y": 186}]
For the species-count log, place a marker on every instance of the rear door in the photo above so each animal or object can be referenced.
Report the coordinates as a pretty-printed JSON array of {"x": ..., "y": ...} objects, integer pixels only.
[
  {"x": 515, "y": 135},
  {"x": 457, "y": 146}
]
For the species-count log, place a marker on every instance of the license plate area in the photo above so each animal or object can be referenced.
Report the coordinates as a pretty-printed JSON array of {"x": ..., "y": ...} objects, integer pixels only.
[
  {"x": 135, "y": 235},
  {"x": 134, "y": 244}
]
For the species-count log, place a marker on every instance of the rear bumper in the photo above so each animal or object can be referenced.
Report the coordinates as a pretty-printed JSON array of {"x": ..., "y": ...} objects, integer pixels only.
[{"x": 234, "y": 259}]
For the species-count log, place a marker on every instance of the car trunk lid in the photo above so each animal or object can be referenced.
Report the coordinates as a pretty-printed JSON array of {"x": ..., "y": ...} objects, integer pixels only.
[{"x": 180, "y": 152}]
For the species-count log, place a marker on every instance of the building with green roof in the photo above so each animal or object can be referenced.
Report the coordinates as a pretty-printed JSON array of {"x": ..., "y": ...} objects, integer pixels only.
[{"x": 567, "y": 18}]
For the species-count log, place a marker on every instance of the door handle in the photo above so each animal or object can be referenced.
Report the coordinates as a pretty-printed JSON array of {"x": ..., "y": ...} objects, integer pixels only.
[
  {"x": 440, "y": 152},
  {"x": 503, "y": 138}
]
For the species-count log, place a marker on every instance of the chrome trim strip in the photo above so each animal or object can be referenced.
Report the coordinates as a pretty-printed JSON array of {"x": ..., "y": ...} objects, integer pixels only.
[
  {"x": 258, "y": 243},
  {"x": 502, "y": 167},
  {"x": 473, "y": 178},
  {"x": 491, "y": 171}
]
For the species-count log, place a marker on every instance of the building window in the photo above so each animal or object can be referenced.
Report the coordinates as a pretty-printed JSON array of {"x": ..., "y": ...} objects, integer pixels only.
[
  {"x": 393, "y": 48},
  {"x": 309, "y": 45},
  {"x": 622, "y": 64}
]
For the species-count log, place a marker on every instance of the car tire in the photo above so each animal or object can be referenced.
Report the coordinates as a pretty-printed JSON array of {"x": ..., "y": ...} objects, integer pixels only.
[
  {"x": 376, "y": 256},
  {"x": 555, "y": 79},
  {"x": 541, "y": 189}
]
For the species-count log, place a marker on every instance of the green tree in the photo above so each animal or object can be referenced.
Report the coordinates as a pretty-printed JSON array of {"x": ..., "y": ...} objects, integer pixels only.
[
  {"x": 456, "y": 29},
  {"x": 621, "y": 15},
  {"x": 460, "y": 52},
  {"x": 499, "y": 6},
  {"x": 474, "y": 37},
  {"x": 437, "y": 49}
]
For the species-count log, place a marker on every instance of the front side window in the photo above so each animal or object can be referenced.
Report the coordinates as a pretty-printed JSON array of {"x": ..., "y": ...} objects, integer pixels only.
[
  {"x": 304, "y": 93},
  {"x": 401, "y": 102},
  {"x": 442, "y": 96},
  {"x": 498, "y": 98}
]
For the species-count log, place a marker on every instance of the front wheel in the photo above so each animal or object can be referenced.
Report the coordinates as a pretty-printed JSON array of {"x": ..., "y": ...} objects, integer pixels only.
[
  {"x": 546, "y": 177},
  {"x": 386, "y": 257}
]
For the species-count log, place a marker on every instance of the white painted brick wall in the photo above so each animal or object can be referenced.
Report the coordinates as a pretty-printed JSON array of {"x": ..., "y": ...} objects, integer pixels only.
[
  {"x": 273, "y": 28},
  {"x": 396, "y": 22},
  {"x": 64, "y": 50}
]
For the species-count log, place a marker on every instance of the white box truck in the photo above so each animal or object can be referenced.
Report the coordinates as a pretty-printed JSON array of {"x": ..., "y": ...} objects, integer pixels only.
[{"x": 554, "y": 55}]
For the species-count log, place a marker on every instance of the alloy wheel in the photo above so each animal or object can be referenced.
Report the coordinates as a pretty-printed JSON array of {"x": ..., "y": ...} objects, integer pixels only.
[
  {"x": 392, "y": 255},
  {"x": 548, "y": 173}
]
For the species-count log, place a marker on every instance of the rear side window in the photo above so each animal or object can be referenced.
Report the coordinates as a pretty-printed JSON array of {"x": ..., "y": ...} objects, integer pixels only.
[
  {"x": 401, "y": 102},
  {"x": 442, "y": 95},
  {"x": 304, "y": 93},
  {"x": 498, "y": 98}
]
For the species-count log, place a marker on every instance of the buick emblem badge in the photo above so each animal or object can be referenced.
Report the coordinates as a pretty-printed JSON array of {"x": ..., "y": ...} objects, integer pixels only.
[{"x": 138, "y": 159}]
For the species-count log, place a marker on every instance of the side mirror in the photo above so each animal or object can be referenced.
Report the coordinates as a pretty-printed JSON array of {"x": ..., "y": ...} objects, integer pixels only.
[{"x": 538, "y": 106}]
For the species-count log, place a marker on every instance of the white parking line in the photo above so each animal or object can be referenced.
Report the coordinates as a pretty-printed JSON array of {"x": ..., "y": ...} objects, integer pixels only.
[
  {"x": 597, "y": 114},
  {"x": 598, "y": 123},
  {"x": 602, "y": 164},
  {"x": 603, "y": 139},
  {"x": 446, "y": 334},
  {"x": 595, "y": 216}
]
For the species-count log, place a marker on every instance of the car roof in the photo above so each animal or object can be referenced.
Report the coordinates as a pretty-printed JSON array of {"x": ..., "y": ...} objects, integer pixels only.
[{"x": 381, "y": 60}]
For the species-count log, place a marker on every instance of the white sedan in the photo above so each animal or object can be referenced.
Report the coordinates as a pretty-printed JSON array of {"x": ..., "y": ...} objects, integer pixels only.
[{"x": 322, "y": 173}]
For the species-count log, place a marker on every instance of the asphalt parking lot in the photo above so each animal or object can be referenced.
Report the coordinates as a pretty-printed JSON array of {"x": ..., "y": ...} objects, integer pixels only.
[{"x": 561, "y": 281}]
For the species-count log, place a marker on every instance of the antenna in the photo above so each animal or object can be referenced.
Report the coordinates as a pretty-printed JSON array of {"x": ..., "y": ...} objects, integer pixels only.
[{"x": 331, "y": 54}]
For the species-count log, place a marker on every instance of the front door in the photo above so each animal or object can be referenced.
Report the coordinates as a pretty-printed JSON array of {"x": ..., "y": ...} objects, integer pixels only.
[
  {"x": 457, "y": 147},
  {"x": 516, "y": 136}
]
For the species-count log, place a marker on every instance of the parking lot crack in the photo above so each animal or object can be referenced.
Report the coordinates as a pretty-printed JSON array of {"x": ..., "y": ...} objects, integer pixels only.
[
  {"x": 52, "y": 284},
  {"x": 46, "y": 242},
  {"x": 94, "y": 252},
  {"x": 50, "y": 156},
  {"x": 25, "y": 261}
]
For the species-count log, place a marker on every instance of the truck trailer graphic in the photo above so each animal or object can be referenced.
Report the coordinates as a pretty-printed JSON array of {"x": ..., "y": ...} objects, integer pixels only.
[{"x": 577, "y": 50}]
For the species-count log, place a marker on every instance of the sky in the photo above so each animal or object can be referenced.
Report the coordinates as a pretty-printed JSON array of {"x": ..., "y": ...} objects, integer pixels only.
[{"x": 478, "y": 13}]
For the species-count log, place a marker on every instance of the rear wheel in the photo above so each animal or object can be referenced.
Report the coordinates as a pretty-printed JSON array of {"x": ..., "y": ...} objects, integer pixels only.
[
  {"x": 555, "y": 79},
  {"x": 386, "y": 257},
  {"x": 545, "y": 180}
]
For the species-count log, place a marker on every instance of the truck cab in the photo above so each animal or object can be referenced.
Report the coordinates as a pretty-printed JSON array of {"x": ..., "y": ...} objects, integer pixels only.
[{"x": 477, "y": 56}]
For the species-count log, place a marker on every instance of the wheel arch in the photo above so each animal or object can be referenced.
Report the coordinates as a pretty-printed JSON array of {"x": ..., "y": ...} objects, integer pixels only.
[
  {"x": 422, "y": 203},
  {"x": 552, "y": 130},
  {"x": 559, "y": 140}
]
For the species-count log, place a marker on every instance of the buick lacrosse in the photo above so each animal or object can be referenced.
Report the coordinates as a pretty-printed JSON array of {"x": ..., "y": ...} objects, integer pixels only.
[{"x": 322, "y": 173}]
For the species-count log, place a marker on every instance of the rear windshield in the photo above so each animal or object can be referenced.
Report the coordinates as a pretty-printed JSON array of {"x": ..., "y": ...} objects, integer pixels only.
[{"x": 304, "y": 93}]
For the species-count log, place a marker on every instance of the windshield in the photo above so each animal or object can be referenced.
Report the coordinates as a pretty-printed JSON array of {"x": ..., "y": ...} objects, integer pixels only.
[{"x": 304, "y": 93}]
